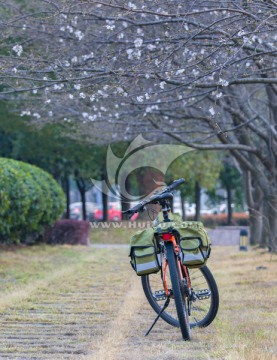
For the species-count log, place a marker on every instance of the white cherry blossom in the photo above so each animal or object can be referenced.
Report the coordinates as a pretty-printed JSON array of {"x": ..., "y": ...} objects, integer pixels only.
[
  {"x": 79, "y": 35},
  {"x": 138, "y": 42},
  {"x": 18, "y": 49},
  {"x": 131, "y": 5},
  {"x": 223, "y": 82},
  {"x": 162, "y": 84},
  {"x": 212, "y": 111},
  {"x": 25, "y": 112},
  {"x": 151, "y": 47}
]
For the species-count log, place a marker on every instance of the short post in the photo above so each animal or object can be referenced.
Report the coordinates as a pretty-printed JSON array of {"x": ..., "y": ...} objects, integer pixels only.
[{"x": 243, "y": 240}]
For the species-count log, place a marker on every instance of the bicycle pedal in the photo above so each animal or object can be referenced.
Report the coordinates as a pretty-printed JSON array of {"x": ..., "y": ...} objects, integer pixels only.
[
  {"x": 203, "y": 294},
  {"x": 159, "y": 295}
]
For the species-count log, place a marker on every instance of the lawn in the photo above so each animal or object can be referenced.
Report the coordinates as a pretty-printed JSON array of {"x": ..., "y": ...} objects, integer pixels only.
[{"x": 64, "y": 302}]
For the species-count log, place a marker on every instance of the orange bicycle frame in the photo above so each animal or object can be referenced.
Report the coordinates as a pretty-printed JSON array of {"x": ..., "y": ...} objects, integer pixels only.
[{"x": 181, "y": 268}]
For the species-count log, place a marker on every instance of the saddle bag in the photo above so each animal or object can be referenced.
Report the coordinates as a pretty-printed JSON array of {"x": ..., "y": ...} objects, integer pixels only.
[
  {"x": 195, "y": 243},
  {"x": 143, "y": 253}
]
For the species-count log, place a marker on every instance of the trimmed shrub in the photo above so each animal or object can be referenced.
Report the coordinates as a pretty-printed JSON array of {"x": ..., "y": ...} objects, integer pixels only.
[
  {"x": 68, "y": 231},
  {"x": 213, "y": 220},
  {"x": 30, "y": 200}
]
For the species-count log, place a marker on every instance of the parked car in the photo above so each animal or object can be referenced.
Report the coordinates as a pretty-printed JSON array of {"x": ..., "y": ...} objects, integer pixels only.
[
  {"x": 114, "y": 212},
  {"x": 76, "y": 211}
]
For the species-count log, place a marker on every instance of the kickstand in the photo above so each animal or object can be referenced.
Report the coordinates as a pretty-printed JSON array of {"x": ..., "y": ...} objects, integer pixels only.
[{"x": 160, "y": 313}]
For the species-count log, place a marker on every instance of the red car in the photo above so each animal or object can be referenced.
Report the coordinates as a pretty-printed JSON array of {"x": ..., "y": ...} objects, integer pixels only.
[{"x": 114, "y": 212}]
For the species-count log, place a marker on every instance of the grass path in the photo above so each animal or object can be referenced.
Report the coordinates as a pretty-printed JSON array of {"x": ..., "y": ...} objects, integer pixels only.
[
  {"x": 61, "y": 312},
  {"x": 87, "y": 303}
]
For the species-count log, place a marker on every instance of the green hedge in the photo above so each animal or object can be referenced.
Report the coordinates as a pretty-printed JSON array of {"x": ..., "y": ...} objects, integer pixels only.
[{"x": 30, "y": 199}]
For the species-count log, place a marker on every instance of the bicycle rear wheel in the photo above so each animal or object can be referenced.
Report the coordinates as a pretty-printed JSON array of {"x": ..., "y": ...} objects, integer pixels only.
[
  {"x": 206, "y": 299},
  {"x": 178, "y": 289}
]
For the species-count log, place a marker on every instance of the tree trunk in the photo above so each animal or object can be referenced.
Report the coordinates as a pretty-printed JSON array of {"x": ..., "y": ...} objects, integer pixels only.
[
  {"x": 83, "y": 199},
  {"x": 125, "y": 205},
  {"x": 269, "y": 233},
  {"x": 265, "y": 228},
  {"x": 272, "y": 219},
  {"x": 229, "y": 206},
  {"x": 105, "y": 206},
  {"x": 82, "y": 189},
  {"x": 183, "y": 207},
  {"x": 254, "y": 198},
  {"x": 64, "y": 181},
  {"x": 197, "y": 201},
  {"x": 256, "y": 226},
  {"x": 67, "y": 194}
]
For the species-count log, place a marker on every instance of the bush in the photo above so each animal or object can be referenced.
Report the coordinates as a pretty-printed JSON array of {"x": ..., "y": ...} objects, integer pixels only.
[
  {"x": 30, "y": 200},
  {"x": 67, "y": 231},
  {"x": 213, "y": 220}
]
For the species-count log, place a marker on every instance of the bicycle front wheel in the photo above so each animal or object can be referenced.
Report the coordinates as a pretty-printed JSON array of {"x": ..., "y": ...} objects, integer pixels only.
[
  {"x": 178, "y": 289},
  {"x": 206, "y": 300}
]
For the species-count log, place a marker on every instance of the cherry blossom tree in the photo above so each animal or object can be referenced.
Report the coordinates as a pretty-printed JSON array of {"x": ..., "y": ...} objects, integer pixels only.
[{"x": 202, "y": 73}]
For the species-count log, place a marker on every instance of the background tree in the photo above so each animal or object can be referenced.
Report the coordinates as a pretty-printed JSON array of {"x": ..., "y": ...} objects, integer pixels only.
[
  {"x": 203, "y": 74},
  {"x": 200, "y": 170},
  {"x": 231, "y": 181},
  {"x": 49, "y": 149}
]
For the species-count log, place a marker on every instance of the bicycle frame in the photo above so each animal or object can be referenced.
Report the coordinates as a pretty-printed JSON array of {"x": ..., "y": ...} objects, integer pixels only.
[{"x": 167, "y": 237}]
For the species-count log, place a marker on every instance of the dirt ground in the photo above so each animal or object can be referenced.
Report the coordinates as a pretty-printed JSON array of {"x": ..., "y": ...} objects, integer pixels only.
[{"x": 92, "y": 306}]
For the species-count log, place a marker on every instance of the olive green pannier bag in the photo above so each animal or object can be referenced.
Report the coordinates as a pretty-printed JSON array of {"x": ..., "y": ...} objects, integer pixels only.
[
  {"x": 194, "y": 240},
  {"x": 195, "y": 243},
  {"x": 144, "y": 257}
]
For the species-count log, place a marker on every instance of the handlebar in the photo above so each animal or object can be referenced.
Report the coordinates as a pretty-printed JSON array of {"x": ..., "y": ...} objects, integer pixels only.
[
  {"x": 156, "y": 198},
  {"x": 173, "y": 186}
]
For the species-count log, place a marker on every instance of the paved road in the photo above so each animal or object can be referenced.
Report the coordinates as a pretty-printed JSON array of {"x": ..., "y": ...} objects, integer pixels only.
[{"x": 226, "y": 235}]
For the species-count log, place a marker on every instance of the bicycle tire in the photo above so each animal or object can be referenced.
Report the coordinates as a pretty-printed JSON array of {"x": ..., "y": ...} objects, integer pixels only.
[
  {"x": 202, "y": 316},
  {"x": 178, "y": 292}
]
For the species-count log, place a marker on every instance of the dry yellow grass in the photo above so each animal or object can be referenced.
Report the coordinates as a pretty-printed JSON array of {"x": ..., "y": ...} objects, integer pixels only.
[
  {"x": 116, "y": 233},
  {"x": 245, "y": 327},
  {"x": 91, "y": 306}
]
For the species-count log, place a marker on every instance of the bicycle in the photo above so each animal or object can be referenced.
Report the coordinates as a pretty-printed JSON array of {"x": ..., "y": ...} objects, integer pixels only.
[{"x": 193, "y": 290}]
